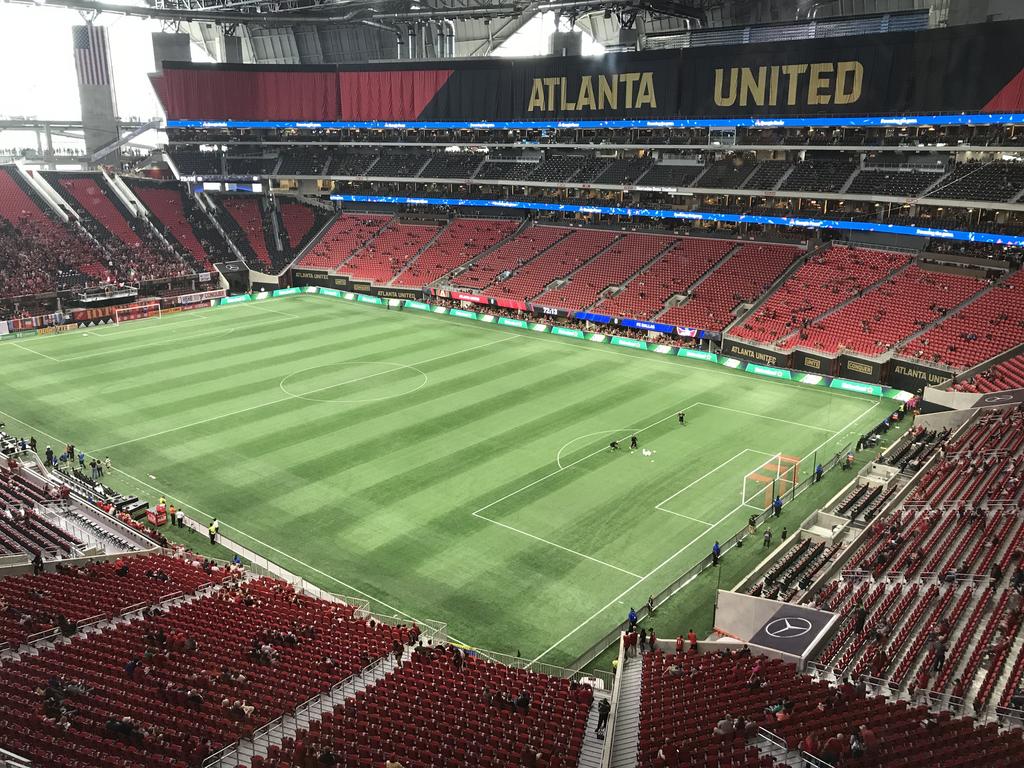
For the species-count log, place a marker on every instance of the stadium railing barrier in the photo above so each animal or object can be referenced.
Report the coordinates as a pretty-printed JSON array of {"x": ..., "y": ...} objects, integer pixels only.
[
  {"x": 287, "y": 725},
  {"x": 609, "y": 730},
  {"x": 777, "y": 748},
  {"x": 436, "y": 631},
  {"x": 694, "y": 571},
  {"x": 517, "y": 662},
  {"x": 10, "y": 760}
]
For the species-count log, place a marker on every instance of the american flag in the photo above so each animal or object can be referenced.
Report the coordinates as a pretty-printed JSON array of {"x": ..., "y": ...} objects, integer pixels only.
[{"x": 92, "y": 55}]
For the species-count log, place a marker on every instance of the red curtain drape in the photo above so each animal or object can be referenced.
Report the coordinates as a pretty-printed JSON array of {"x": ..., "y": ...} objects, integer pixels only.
[
  {"x": 389, "y": 95},
  {"x": 203, "y": 94}
]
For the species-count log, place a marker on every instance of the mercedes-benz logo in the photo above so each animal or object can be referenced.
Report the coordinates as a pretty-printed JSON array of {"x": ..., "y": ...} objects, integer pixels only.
[
  {"x": 788, "y": 627},
  {"x": 996, "y": 398}
]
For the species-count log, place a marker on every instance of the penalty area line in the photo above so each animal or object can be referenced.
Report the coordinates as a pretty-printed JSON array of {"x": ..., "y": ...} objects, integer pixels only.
[
  {"x": 558, "y": 546},
  {"x": 34, "y": 351}
]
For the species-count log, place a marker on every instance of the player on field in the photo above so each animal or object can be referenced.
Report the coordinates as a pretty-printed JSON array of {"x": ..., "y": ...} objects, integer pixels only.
[
  {"x": 682, "y": 419},
  {"x": 633, "y": 443},
  {"x": 614, "y": 445}
]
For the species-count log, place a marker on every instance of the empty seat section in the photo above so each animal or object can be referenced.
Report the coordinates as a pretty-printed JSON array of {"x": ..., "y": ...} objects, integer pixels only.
[
  {"x": 461, "y": 241},
  {"x": 558, "y": 261},
  {"x": 511, "y": 256},
  {"x": 174, "y": 693},
  {"x": 248, "y": 216},
  {"x": 1008, "y": 374},
  {"x": 742, "y": 278},
  {"x": 826, "y": 280},
  {"x": 346, "y": 235},
  {"x": 884, "y": 317},
  {"x": 613, "y": 267},
  {"x": 677, "y": 269},
  {"x": 985, "y": 327},
  {"x": 389, "y": 252}
]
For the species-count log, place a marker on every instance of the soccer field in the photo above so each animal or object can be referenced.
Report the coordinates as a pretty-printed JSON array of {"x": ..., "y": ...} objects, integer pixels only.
[{"x": 443, "y": 468}]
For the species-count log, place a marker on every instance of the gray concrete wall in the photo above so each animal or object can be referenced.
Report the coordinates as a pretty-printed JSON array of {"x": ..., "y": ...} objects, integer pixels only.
[{"x": 170, "y": 46}]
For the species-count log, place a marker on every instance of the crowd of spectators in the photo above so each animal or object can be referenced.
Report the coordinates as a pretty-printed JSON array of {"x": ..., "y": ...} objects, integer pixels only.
[{"x": 40, "y": 257}]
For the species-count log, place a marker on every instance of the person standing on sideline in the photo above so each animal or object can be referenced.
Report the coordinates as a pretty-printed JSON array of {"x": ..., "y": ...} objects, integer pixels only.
[
  {"x": 692, "y": 637},
  {"x": 818, "y": 470},
  {"x": 631, "y": 619},
  {"x": 214, "y": 527},
  {"x": 777, "y": 506},
  {"x": 785, "y": 532},
  {"x": 179, "y": 517},
  {"x": 716, "y": 553},
  {"x": 651, "y": 639},
  {"x": 682, "y": 419},
  {"x": 767, "y": 537},
  {"x": 106, "y": 464},
  {"x": 643, "y": 640}
]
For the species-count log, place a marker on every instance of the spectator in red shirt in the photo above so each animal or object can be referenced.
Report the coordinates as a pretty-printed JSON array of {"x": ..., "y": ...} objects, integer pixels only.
[{"x": 833, "y": 749}]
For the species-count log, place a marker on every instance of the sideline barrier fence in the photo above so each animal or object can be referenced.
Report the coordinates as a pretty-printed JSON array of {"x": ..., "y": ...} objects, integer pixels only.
[
  {"x": 694, "y": 571},
  {"x": 285, "y": 726},
  {"x": 799, "y": 377}
]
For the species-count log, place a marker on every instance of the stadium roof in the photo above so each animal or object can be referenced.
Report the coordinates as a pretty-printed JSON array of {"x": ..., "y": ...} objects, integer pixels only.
[{"x": 340, "y": 31}]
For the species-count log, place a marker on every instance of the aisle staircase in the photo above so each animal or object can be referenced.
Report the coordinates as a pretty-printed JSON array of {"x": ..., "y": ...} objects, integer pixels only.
[{"x": 627, "y": 715}]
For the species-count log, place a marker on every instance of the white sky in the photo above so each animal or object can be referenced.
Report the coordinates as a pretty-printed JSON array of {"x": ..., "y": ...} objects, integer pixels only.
[
  {"x": 39, "y": 67},
  {"x": 36, "y": 59},
  {"x": 532, "y": 38}
]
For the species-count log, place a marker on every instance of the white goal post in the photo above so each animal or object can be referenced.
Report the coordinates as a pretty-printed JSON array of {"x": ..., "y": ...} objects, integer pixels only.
[
  {"x": 151, "y": 309},
  {"x": 776, "y": 477}
]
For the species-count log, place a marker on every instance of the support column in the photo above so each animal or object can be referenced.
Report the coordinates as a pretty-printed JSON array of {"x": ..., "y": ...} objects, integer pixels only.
[{"x": 91, "y": 49}]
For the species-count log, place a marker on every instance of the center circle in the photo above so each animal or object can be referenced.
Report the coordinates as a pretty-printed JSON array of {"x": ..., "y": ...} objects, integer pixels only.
[{"x": 353, "y": 382}]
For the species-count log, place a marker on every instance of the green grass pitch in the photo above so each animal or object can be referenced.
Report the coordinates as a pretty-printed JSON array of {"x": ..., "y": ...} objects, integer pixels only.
[{"x": 443, "y": 468}]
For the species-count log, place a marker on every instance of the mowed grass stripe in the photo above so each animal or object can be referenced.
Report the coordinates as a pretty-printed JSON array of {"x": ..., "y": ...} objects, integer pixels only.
[{"x": 380, "y": 495}]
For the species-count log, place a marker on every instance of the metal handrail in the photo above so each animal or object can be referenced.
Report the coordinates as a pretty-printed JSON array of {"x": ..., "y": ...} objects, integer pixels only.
[{"x": 267, "y": 731}]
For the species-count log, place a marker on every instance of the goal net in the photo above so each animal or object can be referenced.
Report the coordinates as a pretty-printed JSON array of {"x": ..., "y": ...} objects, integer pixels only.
[
  {"x": 137, "y": 312},
  {"x": 775, "y": 477}
]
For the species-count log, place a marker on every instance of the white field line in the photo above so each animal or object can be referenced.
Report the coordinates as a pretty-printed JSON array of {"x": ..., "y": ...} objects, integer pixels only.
[
  {"x": 659, "y": 507},
  {"x": 559, "y": 546},
  {"x": 842, "y": 430},
  {"x": 770, "y": 418},
  {"x": 214, "y": 331},
  {"x": 567, "y": 466},
  {"x": 34, "y": 351},
  {"x": 672, "y": 557},
  {"x": 275, "y": 311},
  {"x": 281, "y": 400},
  {"x": 479, "y": 513},
  {"x": 665, "y": 359},
  {"x": 661, "y": 504},
  {"x": 115, "y": 350},
  {"x": 120, "y": 330},
  {"x": 558, "y": 456},
  {"x": 183, "y": 503},
  {"x": 637, "y": 583}
]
